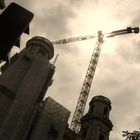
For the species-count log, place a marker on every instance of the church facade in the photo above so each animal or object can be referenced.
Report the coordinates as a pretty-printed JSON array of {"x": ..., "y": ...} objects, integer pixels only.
[{"x": 26, "y": 115}]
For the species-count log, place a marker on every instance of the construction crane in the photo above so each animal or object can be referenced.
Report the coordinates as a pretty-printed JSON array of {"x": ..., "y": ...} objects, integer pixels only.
[{"x": 80, "y": 107}]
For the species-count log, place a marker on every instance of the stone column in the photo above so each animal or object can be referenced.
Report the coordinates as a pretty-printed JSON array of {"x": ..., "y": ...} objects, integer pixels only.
[{"x": 38, "y": 53}]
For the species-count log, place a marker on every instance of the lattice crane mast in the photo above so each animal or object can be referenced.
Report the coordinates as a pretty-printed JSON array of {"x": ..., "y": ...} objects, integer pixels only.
[{"x": 80, "y": 107}]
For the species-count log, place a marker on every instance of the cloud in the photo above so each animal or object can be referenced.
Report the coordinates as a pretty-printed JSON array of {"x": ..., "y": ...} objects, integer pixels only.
[{"x": 117, "y": 73}]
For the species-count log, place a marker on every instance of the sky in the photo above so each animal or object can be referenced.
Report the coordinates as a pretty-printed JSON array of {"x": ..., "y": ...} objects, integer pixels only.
[{"x": 117, "y": 74}]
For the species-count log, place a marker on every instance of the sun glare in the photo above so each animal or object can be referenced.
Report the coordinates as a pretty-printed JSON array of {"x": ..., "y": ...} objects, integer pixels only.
[{"x": 89, "y": 21}]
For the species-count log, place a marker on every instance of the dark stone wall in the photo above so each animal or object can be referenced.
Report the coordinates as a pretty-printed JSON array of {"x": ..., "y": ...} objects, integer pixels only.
[{"x": 52, "y": 122}]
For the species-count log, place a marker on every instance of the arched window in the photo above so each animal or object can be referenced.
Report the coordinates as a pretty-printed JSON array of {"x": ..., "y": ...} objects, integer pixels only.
[
  {"x": 91, "y": 109},
  {"x": 105, "y": 111},
  {"x": 52, "y": 132},
  {"x": 101, "y": 137}
]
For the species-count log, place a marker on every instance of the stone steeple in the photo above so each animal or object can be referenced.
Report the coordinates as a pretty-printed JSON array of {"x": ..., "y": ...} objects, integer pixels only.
[{"x": 96, "y": 125}]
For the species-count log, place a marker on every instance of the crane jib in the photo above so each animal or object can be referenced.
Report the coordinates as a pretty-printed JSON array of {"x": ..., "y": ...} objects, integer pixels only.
[{"x": 87, "y": 37}]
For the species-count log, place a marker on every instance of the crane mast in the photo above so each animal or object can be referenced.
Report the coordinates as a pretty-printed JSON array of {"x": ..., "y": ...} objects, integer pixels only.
[{"x": 80, "y": 107}]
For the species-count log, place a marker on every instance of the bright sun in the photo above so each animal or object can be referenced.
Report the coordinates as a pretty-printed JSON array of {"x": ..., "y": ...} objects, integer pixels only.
[{"x": 89, "y": 21}]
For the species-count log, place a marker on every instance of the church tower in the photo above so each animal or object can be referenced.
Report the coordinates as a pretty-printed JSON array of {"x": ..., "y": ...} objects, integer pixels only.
[
  {"x": 23, "y": 86},
  {"x": 96, "y": 125}
]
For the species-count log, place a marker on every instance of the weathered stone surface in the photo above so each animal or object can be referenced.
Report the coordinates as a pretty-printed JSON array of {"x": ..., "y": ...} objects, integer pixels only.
[
  {"x": 96, "y": 125},
  {"x": 52, "y": 122},
  {"x": 27, "y": 78}
]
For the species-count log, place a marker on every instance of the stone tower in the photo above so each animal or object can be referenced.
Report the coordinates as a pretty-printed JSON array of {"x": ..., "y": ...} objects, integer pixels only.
[
  {"x": 23, "y": 86},
  {"x": 51, "y": 122},
  {"x": 96, "y": 125}
]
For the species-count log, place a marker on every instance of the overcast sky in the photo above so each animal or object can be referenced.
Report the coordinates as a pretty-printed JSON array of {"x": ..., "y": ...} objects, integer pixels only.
[{"x": 118, "y": 72}]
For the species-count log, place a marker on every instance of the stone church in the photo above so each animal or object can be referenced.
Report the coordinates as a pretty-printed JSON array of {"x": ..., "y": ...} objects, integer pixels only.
[
  {"x": 25, "y": 112},
  {"x": 26, "y": 115}
]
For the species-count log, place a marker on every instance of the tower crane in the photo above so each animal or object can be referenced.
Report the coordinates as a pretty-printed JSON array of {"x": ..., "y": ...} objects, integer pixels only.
[{"x": 80, "y": 107}]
